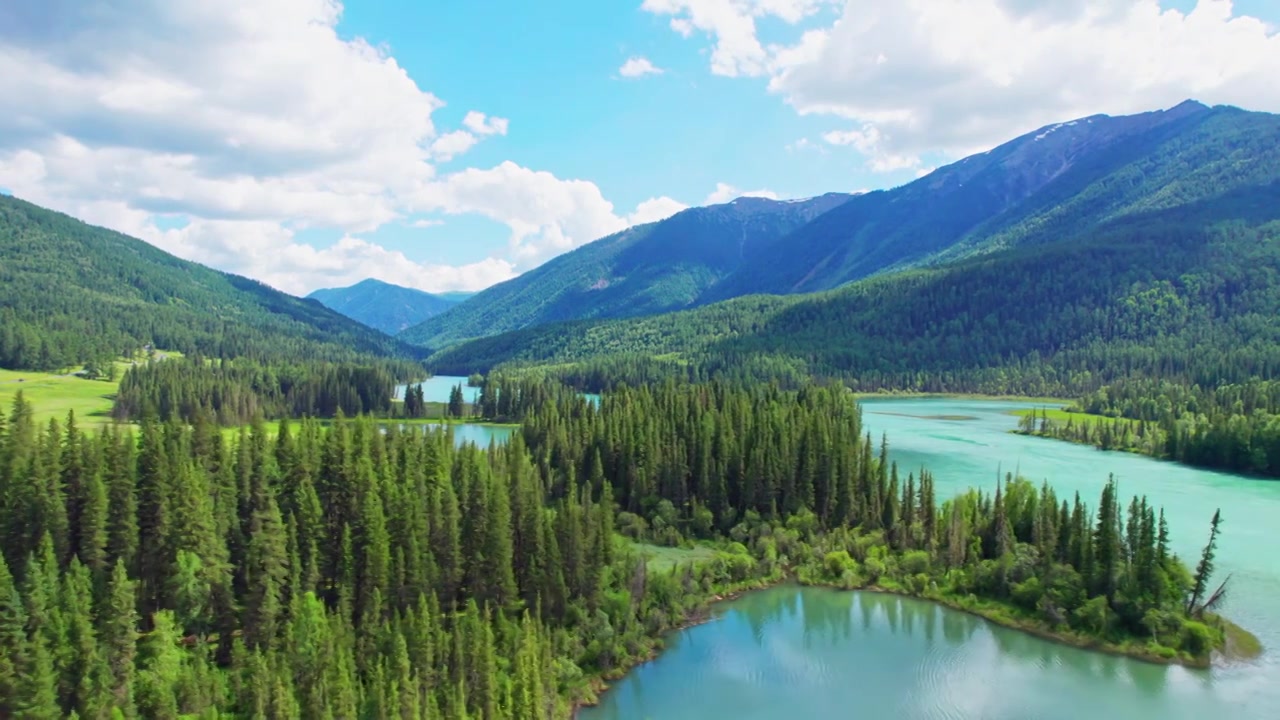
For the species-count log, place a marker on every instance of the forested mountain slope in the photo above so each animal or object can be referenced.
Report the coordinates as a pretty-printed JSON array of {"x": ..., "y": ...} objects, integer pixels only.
[
  {"x": 383, "y": 306},
  {"x": 1056, "y": 183},
  {"x": 71, "y": 292},
  {"x": 1191, "y": 293},
  {"x": 1065, "y": 182},
  {"x": 652, "y": 268}
]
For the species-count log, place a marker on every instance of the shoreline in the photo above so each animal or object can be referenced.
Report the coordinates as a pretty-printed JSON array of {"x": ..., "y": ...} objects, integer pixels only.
[
  {"x": 913, "y": 395},
  {"x": 601, "y": 684},
  {"x": 1156, "y": 458}
]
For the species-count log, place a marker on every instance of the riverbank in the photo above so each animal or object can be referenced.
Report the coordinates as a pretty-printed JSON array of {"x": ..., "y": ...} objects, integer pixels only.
[
  {"x": 1124, "y": 438},
  {"x": 908, "y": 395},
  {"x": 597, "y": 685},
  {"x": 1238, "y": 644}
]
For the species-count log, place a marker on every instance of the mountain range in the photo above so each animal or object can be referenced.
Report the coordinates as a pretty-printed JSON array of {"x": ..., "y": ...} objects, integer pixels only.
[
  {"x": 1059, "y": 182},
  {"x": 647, "y": 269},
  {"x": 1097, "y": 246},
  {"x": 386, "y": 307}
]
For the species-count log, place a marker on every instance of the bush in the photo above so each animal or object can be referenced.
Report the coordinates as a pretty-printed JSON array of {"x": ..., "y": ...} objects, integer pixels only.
[
  {"x": 1028, "y": 593},
  {"x": 837, "y": 563},
  {"x": 915, "y": 562},
  {"x": 1197, "y": 638}
]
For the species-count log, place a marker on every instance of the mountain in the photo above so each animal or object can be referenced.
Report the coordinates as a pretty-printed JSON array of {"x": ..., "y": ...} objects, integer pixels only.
[
  {"x": 1189, "y": 293},
  {"x": 1063, "y": 181},
  {"x": 70, "y": 292},
  {"x": 383, "y": 306},
  {"x": 652, "y": 268},
  {"x": 456, "y": 296},
  {"x": 1059, "y": 181}
]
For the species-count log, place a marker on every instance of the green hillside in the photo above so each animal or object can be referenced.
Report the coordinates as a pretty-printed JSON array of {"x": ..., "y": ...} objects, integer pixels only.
[
  {"x": 1190, "y": 293},
  {"x": 1065, "y": 182},
  {"x": 71, "y": 292},
  {"x": 653, "y": 268},
  {"x": 1060, "y": 182},
  {"x": 383, "y": 306}
]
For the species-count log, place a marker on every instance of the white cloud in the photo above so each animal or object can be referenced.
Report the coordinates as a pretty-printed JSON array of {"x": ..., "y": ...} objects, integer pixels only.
[
  {"x": 655, "y": 209},
  {"x": 480, "y": 124},
  {"x": 636, "y": 67},
  {"x": 732, "y": 25},
  {"x": 253, "y": 120},
  {"x": 451, "y": 144},
  {"x": 546, "y": 215},
  {"x": 868, "y": 141},
  {"x": 921, "y": 75},
  {"x": 725, "y": 192}
]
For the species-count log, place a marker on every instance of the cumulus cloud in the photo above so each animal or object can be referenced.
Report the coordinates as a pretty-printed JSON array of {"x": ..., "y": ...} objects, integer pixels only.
[
  {"x": 245, "y": 122},
  {"x": 732, "y": 25},
  {"x": 919, "y": 75},
  {"x": 480, "y": 124},
  {"x": 636, "y": 67},
  {"x": 725, "y": 192},
  {"x": 655, "y": 209},
  {"x": 547, "y": 215}
]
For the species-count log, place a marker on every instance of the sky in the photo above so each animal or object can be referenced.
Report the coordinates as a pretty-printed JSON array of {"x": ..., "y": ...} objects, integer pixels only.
[{"x": 453, "y": 145}]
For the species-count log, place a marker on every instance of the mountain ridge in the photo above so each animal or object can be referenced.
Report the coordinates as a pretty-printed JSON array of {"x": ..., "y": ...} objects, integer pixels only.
[
  {"x": 1156, "y": 251},
  {"x": 645, "y": 269},
  {"x": 71, "y": 292},
  {"x": 1191, "y": 293},
  {"x": 381, "y": 305},
  {"x": 1058, "y": 181}
]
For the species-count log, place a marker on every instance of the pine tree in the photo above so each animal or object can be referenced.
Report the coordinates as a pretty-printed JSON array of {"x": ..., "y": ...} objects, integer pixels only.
[
  {"x": 119, "y": 631},
  {"x": 1107, "y": 542},
  {"x": 13, "y": 643},
  {"x": 1204, "y": 569}
]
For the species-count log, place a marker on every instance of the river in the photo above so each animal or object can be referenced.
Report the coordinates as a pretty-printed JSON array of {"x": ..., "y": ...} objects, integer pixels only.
[{"x": 791, "y": 652}]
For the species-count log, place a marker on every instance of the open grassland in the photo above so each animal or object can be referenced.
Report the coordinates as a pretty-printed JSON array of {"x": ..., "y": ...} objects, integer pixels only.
[
  {"x": 1060, "y": 416},
  {"x": 53, "y": 396}
]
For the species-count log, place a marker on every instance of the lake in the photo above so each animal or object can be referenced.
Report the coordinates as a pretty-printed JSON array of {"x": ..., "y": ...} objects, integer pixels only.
[
  {"x": 791, "y": 652},
  {"x": 437, "y": 389}
]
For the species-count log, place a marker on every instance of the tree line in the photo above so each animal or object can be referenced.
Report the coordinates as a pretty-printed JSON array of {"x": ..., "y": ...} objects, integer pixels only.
[
  {"x": 351, "y": 570},
  {"x": 1230, "y": 426},
  {"x": 236, "y": 392}
]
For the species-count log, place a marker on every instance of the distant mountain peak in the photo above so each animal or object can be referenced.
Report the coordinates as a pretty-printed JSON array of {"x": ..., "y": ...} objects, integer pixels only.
[{"x": 383, "y": 305}]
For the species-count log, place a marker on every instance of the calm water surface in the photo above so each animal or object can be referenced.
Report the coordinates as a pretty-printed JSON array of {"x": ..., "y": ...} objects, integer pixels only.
[
  {"x": 811, "y": 653},
  {"x": 437, "y": 389}
]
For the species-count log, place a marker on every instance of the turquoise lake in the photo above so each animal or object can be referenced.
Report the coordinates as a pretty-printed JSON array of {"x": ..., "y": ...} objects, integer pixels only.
[{"x": 792, "y": 652}]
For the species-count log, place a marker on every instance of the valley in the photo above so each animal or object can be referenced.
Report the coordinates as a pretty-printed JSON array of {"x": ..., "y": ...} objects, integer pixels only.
[{"x": 533, "y": 501}]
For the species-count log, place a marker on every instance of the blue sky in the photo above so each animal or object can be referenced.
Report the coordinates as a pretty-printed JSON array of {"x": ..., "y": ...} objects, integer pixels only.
[
  {"x": 553, "y": 69},
  {"x": 309, "y": 143}
]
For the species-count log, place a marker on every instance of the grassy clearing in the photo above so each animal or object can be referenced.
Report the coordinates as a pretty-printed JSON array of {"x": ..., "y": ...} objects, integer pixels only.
[
  {"x": 663, "y": 559},
  {"x": 1060, "y": 416},
  {"x": 53, "y": 396}
]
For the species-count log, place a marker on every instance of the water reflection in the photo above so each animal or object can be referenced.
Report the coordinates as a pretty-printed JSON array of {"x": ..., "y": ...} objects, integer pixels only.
[{"x": 794, "y": 652}]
